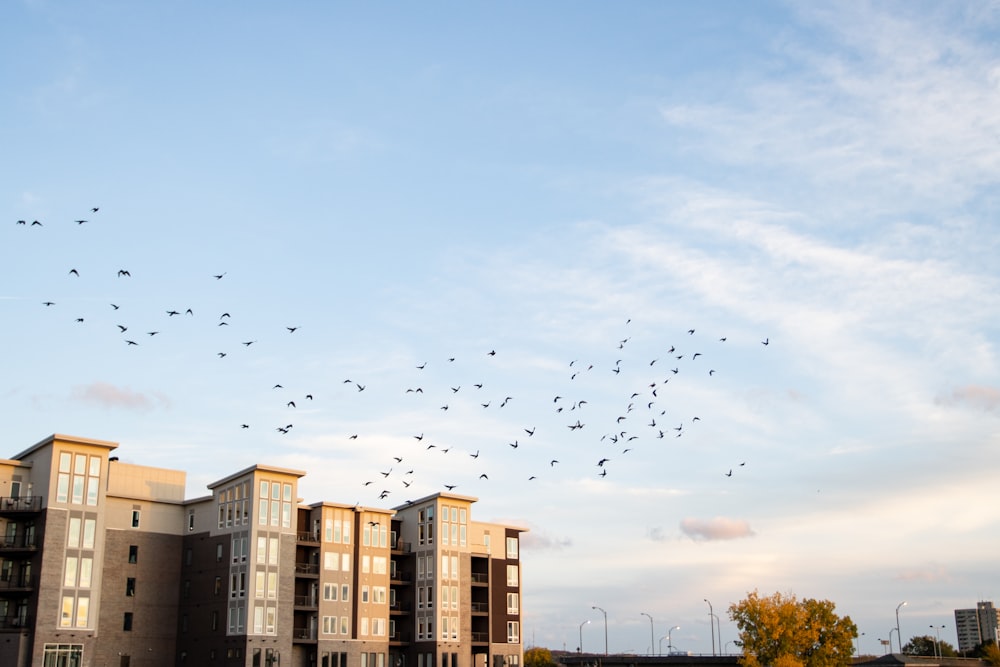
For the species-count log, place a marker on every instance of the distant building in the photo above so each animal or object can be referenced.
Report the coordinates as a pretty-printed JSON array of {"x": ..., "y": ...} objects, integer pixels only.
[
  {"x": 105, "y": 563},
  {"x": 975, "y": 626}
]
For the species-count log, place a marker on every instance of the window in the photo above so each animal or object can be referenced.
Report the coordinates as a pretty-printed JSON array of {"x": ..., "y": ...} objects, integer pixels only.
[
  {"x": 512, "y": 603},
  {"x": 513, "y": 632},
  {"x": 329, "y": 625},
  {"x": 511, "y": 547},
  {"x": 344, "y": 593},
  {"x": 512, "y": 575},
  {"x": 133, "y": 553},
  {"x": 330, "y": 560},
  {"x": 364, "y": 594},
  {"x": 135, "y": 518},
  {"x": 82, "y": 612},
  {"x": 130, "y": 587},
  {"x": 218, "y": 553},
  {"x": 127, "y": 622},
  {"x": 66, "y": 615},
  {"x": 69, "y": 578},
  {"x": 89, "y": 532},
  {"x": 190, "y": 520},
  {"x": 73, "y": 539},
  {"x": 218, "y": 586},
  {"x": 330, "y": 592},
  {"x": 86, "y": 571},
  {"x": 378, "y": 594}
]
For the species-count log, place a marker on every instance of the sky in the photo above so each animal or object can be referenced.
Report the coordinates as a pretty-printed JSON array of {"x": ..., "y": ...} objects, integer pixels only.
[{"x": 725, "y": 274}]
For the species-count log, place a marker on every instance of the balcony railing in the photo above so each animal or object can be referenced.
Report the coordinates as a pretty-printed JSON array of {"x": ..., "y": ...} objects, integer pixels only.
[
  {"x": 17, "y": 582},
  {"x": 306, "y": 601},
  {"x": 480, "y": 606},
  {"x": 400, "y": 606},
  {"x": 480, "y": 578},
  {"x": 400, "y": 545},
  {"x": 303, "y": 633},
  {"x": 480, "y": 637},
  {"x": 306, "y": 568},
  {"x": 14, "y": 622},
  {"x": 21, "y": 504},
  {"x": 20, "y": 540},
  {"x": 307, "y": 537},
  {"x": 400, "y": 576}
]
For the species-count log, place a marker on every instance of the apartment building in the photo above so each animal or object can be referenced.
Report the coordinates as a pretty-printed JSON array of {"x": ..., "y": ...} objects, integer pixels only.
[
  {"x": 107, "y": 563},
  {"x": 975, "y": 626}
]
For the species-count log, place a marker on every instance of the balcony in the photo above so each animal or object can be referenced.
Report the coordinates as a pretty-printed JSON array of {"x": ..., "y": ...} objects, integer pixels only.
[
  {"x": 480, "y": 637},
  {"x": 400, "y": 607},
  {"x": 309, "y": 601},
  {"x": 400, "y": 577},
  {"x": 18, "y": 583},
  {"x": 29, "y": 504},
  {"x": 307, "y": 569},
  {"x": 19, "y": 541},
  {"x": 307, "y": 537},
  {"x": 304, "y": 634},
  {"x": 400, "y": 546},
  {"x": 14, "y": 622},
  {"x": 480, "y": 607},
  {"x": 480, "y": 578}
]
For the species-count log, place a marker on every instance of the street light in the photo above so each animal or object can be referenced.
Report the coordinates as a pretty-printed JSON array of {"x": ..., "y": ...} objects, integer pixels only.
[
  {"x": 651, "y": 641},
  {"x": 605, "y": 628},
  {"x": 670, "y": 643},
  {"x": 899, "y": 635},
  {"x": 857, "y": 644},
  {"x": 892, "y": 630},
  {"x": 711, "y": 615},
  {"x": 580, "y": 647},
  {"x": 937, "y": 644}
]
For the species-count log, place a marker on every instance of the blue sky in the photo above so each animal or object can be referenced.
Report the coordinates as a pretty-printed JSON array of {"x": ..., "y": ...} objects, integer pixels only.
[{"x": 573, "y": 186}]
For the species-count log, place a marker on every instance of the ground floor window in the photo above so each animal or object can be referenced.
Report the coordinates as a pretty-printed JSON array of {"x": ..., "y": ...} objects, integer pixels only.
[{"x": 62, "y": 655}]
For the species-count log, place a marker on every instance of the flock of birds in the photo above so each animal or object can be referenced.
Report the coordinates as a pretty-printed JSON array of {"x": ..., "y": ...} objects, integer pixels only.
[{"x": 615, "y": 432}]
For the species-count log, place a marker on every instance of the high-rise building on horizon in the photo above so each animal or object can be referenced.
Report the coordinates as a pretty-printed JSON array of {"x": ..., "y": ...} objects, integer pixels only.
[
  {"x": 976, "y": 626},
  {"x": 107, "y": 563}
]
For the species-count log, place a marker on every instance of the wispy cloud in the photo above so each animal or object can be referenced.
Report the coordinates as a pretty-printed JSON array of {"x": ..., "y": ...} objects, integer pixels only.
[
  {"x": 719, "y": 528},
  {"x": 109, "y": 396},
  {"x": 974, "y": 396}
]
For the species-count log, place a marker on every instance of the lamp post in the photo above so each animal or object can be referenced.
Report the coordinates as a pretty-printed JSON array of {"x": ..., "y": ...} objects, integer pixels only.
[
  {"x": 857, "y": 644},
  {"x": 892, "y": 630},
  {"x": 899, "y": 636},
  {"x": 670, "y": 643},
  {"x": 580, "y": 647},
  {"x": 605, "y": 628},
  {"x": 937, "y": 643},
  {"x": 711, "y": 615},
  {"x": 652, "y": 645}
]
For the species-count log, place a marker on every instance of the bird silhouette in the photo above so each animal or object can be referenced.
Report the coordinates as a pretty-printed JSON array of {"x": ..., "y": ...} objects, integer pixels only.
[
  {"x": 74, "y": 272},
  {"x": 123, "y": 272}
]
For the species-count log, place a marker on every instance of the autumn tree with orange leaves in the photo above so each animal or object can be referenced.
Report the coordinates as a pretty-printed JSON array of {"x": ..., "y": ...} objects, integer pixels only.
[{"x": 782, "y": 631}]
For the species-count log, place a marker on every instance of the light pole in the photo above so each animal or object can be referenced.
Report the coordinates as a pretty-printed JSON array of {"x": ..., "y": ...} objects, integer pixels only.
[
  {"x": 857, "y": 644},
  {"x": 580, "y": 647},
  {"x": 670, "y": 643},
  {"x": 605, "y": 628},
  {"x": 892, "y": 630},
  {"x": 711, "y": 615},
  {"x": 651, "y": 641},
  {"x": 899, "y": 636},
  {"x": 937, "y": 643}
]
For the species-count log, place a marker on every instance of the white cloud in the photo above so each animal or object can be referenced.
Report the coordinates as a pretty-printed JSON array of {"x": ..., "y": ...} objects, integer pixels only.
[{"x": 718, "y": 528}]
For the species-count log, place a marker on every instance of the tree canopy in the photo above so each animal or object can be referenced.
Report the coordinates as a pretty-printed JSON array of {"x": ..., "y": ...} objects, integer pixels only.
[
  {"x": 538, "y": 657},
  {"x": 782, "y": 631},
  {"x": 927, "y": 645}
]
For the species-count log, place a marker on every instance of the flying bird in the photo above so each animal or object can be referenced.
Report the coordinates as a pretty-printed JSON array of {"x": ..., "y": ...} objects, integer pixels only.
[
  {"x": 74, "y": 272},
  {"x": 123, "y": 272}
]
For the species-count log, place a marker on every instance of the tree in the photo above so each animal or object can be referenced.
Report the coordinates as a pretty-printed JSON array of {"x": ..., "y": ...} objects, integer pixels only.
[
  {"x": 989, "y": 652},
  {"x": 538, "y": 657},
  {"x": 927, "y": 645},
  {"x": 781, "y": 631}
]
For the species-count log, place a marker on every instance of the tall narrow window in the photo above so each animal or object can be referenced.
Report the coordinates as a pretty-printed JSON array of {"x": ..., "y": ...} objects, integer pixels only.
[{"x": 133, "y": 553}]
